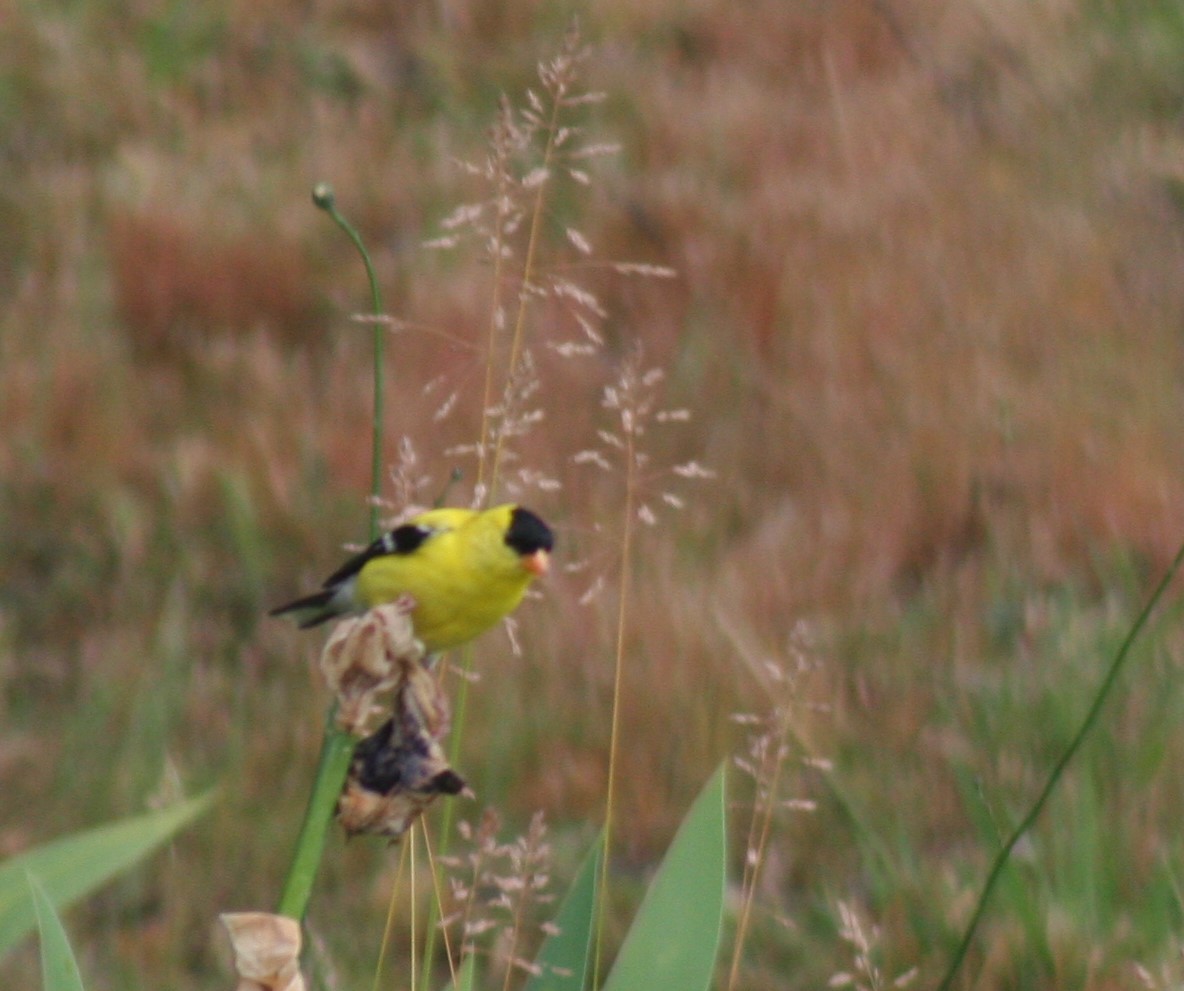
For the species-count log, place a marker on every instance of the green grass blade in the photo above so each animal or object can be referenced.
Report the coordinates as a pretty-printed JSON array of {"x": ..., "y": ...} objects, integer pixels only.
[
  {"x": 564, "y": 958},
  {"x": 675, "y": 937},
  {"x": 73, "y": 866},
  {"x": 1092, "y": 716},
  {"x": 59, "y": 969},
  {"x": 466, "y": 975}
]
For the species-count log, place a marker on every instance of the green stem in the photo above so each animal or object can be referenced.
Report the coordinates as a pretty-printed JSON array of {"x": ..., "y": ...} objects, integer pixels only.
[
  {"x": 322, "y": 196},
  {"x": 338, "y": 747},
  {"x": 336, "y": 753},
  {"x": 1087, "y": 724}
]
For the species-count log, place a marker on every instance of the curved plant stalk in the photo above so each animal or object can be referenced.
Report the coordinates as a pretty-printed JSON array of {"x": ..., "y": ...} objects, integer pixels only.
[
  {"x": 1054, "y": 778},
  {"x": 322, "y": 196},
  {"x": 338, "y": 747}
]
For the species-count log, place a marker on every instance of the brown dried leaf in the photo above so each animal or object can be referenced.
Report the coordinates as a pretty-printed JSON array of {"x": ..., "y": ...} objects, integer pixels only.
[{"x": 266, "y": 951}]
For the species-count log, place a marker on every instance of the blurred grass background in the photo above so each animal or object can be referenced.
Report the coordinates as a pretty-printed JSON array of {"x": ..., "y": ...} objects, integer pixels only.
[{"x": 928, "y": 317}]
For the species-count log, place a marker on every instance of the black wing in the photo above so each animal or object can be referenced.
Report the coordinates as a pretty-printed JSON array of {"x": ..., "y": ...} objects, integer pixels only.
[{"x": 401, "y": 540}]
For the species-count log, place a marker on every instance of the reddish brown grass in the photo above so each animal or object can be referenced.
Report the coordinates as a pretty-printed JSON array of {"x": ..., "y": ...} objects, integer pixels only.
[
  {"x": 927, "y": 317},
  {"x": 176, "y": 283}
]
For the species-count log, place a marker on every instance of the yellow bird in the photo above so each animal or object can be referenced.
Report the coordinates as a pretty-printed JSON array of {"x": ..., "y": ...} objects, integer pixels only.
[{"x": 464, "y": 569}]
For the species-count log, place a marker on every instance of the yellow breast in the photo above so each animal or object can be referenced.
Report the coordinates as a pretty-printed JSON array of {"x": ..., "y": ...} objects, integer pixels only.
[{"x": 464, "y": 579}]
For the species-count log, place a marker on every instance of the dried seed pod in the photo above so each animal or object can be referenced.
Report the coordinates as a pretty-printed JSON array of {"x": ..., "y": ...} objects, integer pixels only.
[
  {"x": 367, "y": 656},
  {"x": 398, "y": 770},
  {"x": 266, "y": 951}
]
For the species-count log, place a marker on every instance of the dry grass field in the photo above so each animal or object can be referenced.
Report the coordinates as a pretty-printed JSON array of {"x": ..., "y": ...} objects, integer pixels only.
[{"x": 926, "y": 319}]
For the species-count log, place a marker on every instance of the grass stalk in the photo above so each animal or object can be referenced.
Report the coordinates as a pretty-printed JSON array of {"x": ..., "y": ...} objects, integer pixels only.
[
  {"x": 389, "y": 928},
  {"x": 448, "y": 816},
  {"x": 487, "y": 473},
  {"x": 484, "y": 491},
  {"x": 438, "y": 907},
  {"x": 338, "y": 747},
  {"x": 524, "y": 292},
  {"x": 414, "y": 921},
  {"x": 762, "y": 824},
  {"x": 1054, "y": 778},
  {"x": 619, "y": 665},
  {"x": 495, "y": 304},
  {"x": 515, "y": 933}
]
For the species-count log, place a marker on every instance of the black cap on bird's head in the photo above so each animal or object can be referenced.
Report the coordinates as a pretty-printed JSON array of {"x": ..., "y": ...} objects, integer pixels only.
[{"x": 531, "y": 538}]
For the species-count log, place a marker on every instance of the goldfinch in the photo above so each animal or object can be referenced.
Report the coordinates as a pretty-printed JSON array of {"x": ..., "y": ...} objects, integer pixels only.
[{"x": 463, "y": 569}]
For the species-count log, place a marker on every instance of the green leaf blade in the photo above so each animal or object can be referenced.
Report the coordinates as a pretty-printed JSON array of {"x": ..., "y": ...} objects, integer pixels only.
[
  {"x": 565, "y": 957},
  {"x": 674, "y": 939},
  {"x": 466, "y": 975},
  {"x": 73, "y": 866},
  {"x": 59, "y": 969}
]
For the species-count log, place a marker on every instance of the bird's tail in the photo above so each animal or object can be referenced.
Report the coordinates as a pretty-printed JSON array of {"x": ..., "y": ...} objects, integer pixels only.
[{"x": 312, "y": 609}]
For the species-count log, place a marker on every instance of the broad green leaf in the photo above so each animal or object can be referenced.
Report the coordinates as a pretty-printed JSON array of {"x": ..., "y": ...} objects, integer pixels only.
[
  {"x": 564, "y": 957},
  {"x": 674, "y": 939},
  {"x": 466, "y": 975},
  {"x": 59, "y": 970},
  {"x": 73, "y": 866}
]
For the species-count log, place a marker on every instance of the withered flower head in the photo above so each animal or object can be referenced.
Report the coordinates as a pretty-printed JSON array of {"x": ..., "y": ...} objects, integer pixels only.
[
  {"x": 367, "y": 656},
  {"x": 266, "y": 951},
  {"x": 398, "y": 770}
]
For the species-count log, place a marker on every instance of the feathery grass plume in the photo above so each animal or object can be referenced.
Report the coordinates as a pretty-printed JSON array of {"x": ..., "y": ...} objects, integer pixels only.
[
  {"x": 520, "y": 889},
  {"x": 865, "y": 973},
  {"x": 632, "y": 404},
  {"x": 1168, "y": 977},
  {"x": 507, "y": 223},
  {"x": 511, "y": 417},
  {"x": 532, "y": 148},
  {"x": 767, "y": 755},
  {"x": 495, "y": 889},
  {"x": 467, "y": 877},
  {"x": 408, "y": 483}
]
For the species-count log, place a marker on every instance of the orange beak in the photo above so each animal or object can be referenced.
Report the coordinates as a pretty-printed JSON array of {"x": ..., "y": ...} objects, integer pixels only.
[{"x": 537, "y": 563}]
